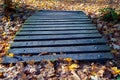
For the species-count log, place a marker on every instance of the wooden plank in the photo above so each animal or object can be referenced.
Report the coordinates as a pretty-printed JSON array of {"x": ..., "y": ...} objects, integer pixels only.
[
  {"x": 62, "y": 16},
  {"x": 58, "y": 42},
  {"x": 36, "y": 17},
  {"x": 60, "y": 12},
  {"x": 52, "y": 37},
  {"x": 83, "y": 56},
  {"x": 60, "y": 20},
  {"x": 62, "y": 25},
  {"x": 57, "y": 32},
  {"x": 58, "y": 15},
  {"x": 46, "y": 23},
  {"x": 66, "y": 49},
  {"x": 57, "y": 29},
  {"x": 80, "y": 19}
]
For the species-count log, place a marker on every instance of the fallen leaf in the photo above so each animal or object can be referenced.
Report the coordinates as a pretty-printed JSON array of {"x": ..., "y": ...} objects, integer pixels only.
[
  {"x": 114, "y": 51},
  {"x": 115, "y": 46},
  {"x": 75, "y": 75},
  {"x": 73, "y": 66},
  {"x": 1, "y": 74},
  {"x": 43, "y": 53},
  {"x": 4, "y": 34},
  {"x": 107, "y": 74},
  {"x": 94, "y": 77},
  {"x": 118, "y": 42},
  {"x": 11, "y": 65},
  {"x": 113, "y": 39},
  {"x": 115, "y": 70},
  {"x": 31, "y": 62},
  {"x": 68, "y": 59},
  {"x": 2, "y": 54},
  {"x": 1, "y": 29},
  {"x": 10, "y": 55},
  {"x": 1, "y": 47},
  {"x": 100, "y": 73},
  {"x": 0, "y": 59}
]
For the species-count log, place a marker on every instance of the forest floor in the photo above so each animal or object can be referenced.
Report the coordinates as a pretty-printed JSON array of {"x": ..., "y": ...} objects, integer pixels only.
[{"x": 61, "y": 69}]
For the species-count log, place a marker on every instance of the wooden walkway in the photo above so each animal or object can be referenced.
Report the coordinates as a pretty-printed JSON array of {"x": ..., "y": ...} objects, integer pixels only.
[{"x": 69, "y": 32}]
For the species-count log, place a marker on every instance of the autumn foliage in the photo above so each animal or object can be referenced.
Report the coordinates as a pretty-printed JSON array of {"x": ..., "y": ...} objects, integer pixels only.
[{"x": 17, "y": 11}]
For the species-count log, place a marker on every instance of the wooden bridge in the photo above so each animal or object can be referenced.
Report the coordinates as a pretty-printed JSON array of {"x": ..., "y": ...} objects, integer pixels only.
[{"x": 64, "y": 33}]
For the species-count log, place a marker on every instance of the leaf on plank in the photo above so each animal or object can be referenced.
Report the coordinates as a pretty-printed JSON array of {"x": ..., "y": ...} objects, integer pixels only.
[
  {"x": 115, "y": 70},
  {"x": 68, "y": 59},
  {"x": 10, "y": 55},
  {"x": 73, "y": 66}
]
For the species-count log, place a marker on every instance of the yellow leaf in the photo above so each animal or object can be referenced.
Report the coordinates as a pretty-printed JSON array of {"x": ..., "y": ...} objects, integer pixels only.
[
  {"x": 93, "y": 73},
  {"x": 0, "y": 59},
  {"x": 68, "y": 59},
  {"x": 6, "y": 48},
  {"x": 10, "y": 55},
  {"x": 4, "y": 34},
  {"x": 100, "y": 72},
  {"x": 31, "y": 62},
  {"x": 1, "y": 74},
  {"x": 115, "y": 70},
  {"x": 73, "y": 66},
  {"x": 106, "y": 32},
  {"x": 13, "y": 37},
  {"x": 114, "y": 51},
  {"x": 33, "y": 1},
  {"x": 11, "y": 64}
]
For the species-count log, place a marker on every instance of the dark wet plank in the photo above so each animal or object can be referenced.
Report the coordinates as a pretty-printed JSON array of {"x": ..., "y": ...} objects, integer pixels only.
[
  {"x": 41, "y": 23},
  {"x": 62, "y": 25},
  {"x": 58, "y": 42},
  {"x": 54, "y": 37},
  {"x": 66, "y": 49},
  {"x": 60, "y": 19},
  {"x": 57, "y": 32},
  {"x": 78, "y": 56},
  {"x": 58, "y": 28},
  {"x": 36, "y": 17},
  {"x": 59, "y": 13}
]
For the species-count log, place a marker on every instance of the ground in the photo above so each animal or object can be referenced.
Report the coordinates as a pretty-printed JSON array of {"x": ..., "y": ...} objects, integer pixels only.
[{"x": 61, "y": 69}]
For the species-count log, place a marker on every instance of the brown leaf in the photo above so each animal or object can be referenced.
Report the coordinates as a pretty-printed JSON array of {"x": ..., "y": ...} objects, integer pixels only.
[
  {"x": 2, "y": 54},
  {"x": 24, "y": 77},
  {"x": 1, "y": 47},
  {"x": 100, "y": 73},
  {"x": 107, "y": 74},
  {"x": 75, "y": 75},
  {"x": 43, "y": 53}
]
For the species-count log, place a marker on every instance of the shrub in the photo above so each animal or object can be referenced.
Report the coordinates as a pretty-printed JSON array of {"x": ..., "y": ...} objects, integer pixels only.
[{"x": 109, "y": 14}]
